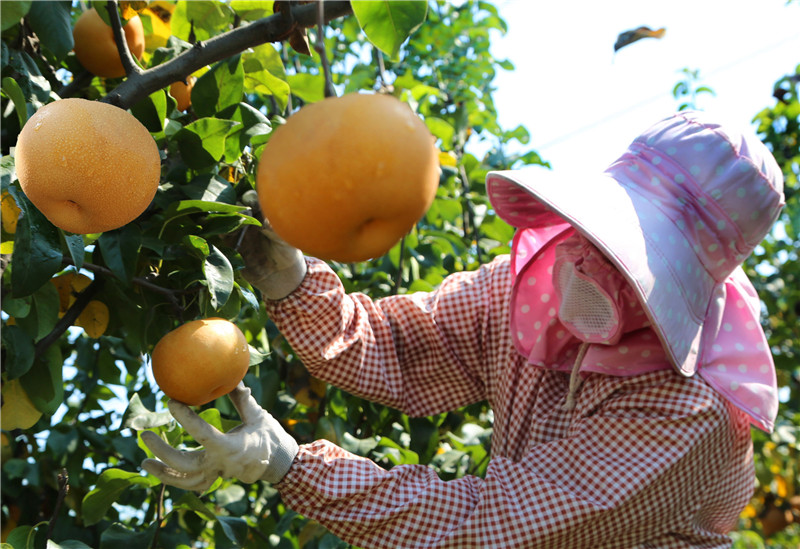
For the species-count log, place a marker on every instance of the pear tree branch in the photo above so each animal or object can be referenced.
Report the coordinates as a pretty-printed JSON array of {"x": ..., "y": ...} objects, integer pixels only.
[
  {"x": 128, "y": 62},
  {"x": 277, "y": 27}
]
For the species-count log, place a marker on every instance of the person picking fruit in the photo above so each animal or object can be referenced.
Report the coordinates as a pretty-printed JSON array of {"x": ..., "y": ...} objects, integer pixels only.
[{"x": 618, "y": 345}]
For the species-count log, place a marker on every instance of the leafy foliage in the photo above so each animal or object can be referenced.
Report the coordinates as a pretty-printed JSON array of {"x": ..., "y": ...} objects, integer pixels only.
[
  {"x": 89, "y": 389},
  {"x": 775, "y": 271},
  {"x": 179, "y": 261}
]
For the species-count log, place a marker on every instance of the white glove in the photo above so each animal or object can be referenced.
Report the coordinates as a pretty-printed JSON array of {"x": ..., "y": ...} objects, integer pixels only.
[
  {"x": 258, "y": 449},
  {"x": 271, "y": 265}
]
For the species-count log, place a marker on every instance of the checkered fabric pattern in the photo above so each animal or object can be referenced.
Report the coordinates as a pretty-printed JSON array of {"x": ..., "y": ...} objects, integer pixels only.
[{"x": 654, "y": 460}]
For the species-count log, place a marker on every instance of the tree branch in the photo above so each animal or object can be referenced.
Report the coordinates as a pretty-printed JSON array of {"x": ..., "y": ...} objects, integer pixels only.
[
  {"x": 128, "y": 62},
  {"x": 269, "y": 29},
  {"x": 69, "y": 317},
  {"x": 105, "y": 271},
  {"x": 319, "y": 45},
  {"x": 63, "y": 490}
]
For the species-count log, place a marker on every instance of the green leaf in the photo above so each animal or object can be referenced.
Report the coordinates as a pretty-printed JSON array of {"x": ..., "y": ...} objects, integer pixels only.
[
  {"x": 388, "y": 24},
  {"x": 14, "y": 92},
  {"x": 120, "y": 249},
  {"x": 44, "y": 312},
  {"x": 396, "y": 454},
  {"x": 358, "y": 446},
  {"x": 202, "y": 143},
  {"x": 26, "y": 537},
  {"x": 19, "y": 349},
  {"x": 35, "y": 86},
  {"x": 308, "y": 87},
  {"x": 117, "y": 535},
  {"x": 52, "y": 23},
  {"x": 190, "y": 501},
  {"x": 252, "y": 10},
  {"x": 265, "y": 74},
  {"x": 219, "y": 277},
  {"x": 75, "y": 246},
  {"x": 219, "y": 88},
  {"x": 18, "y": 307},
  {"x": 152, "y": 111},
  {"x": 188, "y": 207},
  {"x": 37, "y": 248},
  {"x": 110, "y": 485},
  {"x": 441, "y": 129},
  {"x": 203, "y": 18},
  {"x": 197, "y": 245},
  {"x": 44, "y": 382},
  {"x": 210, "y": 188},
  {"x": 234, "y": 528},
  {"x": 253, "y": 124},
  {"x": 138, "y": 417},
  {"x": 12, "y": 13}
]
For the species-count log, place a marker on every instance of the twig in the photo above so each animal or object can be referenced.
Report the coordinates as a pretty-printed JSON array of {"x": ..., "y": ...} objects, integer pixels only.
[
  {"x": 159, "y": 516},
  {"x": 69, "y": 317},
  {"x": 385, "y": 86},
  {"x": 128, "y": 62},
  {"x": 269, "y": 29},
  {"x": 63, "y": 490},
  {"x": 168, "y": 292},
  {"x": 319, "y": 45}
]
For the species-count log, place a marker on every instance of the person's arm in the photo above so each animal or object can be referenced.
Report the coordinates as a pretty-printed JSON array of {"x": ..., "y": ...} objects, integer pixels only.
[
  {"x": 639, "y": 467},
  {"x": 421, "y": 353}
]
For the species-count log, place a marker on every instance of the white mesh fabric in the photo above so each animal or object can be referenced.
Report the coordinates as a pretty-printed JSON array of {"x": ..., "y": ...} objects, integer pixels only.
[{"x": 583, "y": 308}]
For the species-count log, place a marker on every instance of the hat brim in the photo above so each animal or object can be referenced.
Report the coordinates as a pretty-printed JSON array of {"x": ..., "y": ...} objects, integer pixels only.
[{"x": 633, "y": 233}]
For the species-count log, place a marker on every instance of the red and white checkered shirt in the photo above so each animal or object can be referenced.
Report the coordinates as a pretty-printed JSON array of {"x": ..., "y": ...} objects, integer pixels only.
[{"x": 654, "y": 460}]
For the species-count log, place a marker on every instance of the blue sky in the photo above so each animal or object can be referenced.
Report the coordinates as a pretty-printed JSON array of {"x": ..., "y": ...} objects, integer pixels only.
[{"x": 583, "y": 103}]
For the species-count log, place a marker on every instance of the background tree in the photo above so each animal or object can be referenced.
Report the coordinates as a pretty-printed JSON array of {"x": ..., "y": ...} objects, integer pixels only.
[{"x": 76, "y": 382}]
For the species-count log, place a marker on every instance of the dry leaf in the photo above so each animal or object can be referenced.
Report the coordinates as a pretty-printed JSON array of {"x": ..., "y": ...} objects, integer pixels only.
[{"x": 631, "y": 36}]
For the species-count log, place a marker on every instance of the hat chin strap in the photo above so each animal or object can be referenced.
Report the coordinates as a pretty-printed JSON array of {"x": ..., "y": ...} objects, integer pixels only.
[{"x": 575, "y": 380}]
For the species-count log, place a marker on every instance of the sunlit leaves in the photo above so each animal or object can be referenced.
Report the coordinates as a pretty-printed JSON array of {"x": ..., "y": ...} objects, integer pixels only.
[
  {"x": 200, "y": 19},
  {"x": 202, "y": 143},
  {"x": 265, "y": 74},
  {"x": 389, "y": 24},
  {"x": 219, "y": 88}
]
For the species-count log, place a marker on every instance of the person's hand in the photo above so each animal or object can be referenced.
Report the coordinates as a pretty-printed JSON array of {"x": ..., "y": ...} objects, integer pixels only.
[
  {"x": 271, "y": 265},
  {"x": 258, "y": 449}
]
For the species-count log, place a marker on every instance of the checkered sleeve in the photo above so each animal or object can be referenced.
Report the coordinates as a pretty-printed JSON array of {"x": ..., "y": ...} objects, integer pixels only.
[
  {"x": 421, "y": 353},
  {"x": 638, "y": 468}
]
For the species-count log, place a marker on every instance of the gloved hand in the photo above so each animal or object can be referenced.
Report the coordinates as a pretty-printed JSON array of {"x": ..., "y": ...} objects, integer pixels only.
[
  {"x": 271, "y": 265},
  {"x": 259, "y": 448}
]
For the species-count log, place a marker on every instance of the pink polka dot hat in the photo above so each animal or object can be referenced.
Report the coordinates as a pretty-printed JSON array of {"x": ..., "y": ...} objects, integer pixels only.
[{"x": 677, "y": 214}]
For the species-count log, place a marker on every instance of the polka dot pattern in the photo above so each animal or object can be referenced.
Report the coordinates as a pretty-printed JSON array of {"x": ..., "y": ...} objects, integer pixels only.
[
  {"x": 545, "y": 341},
  {"x": 677, "y": 213},
  {"x": 735, "y": 361}
]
